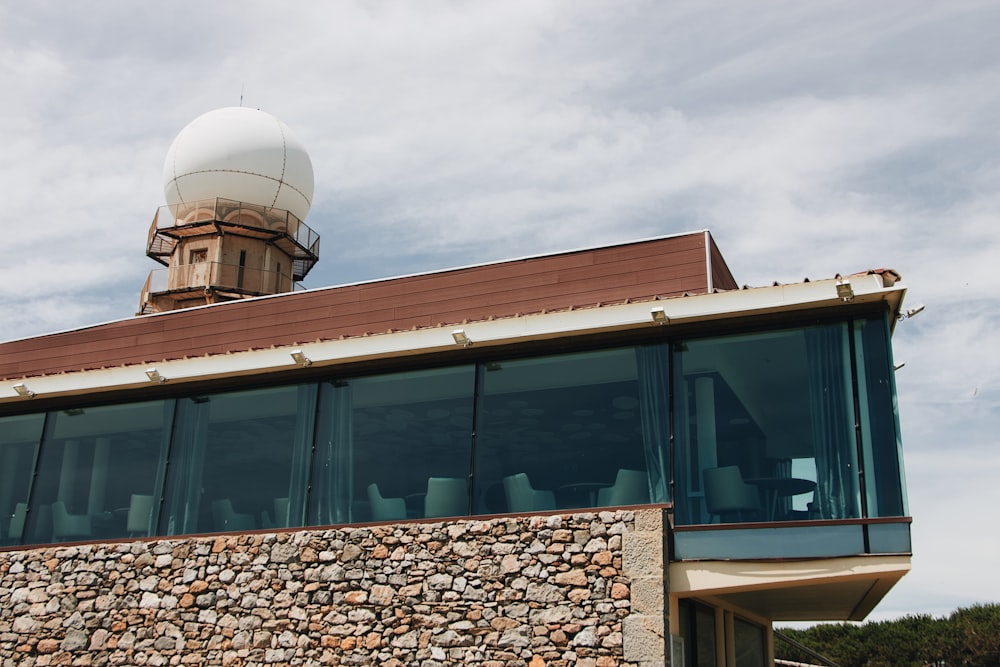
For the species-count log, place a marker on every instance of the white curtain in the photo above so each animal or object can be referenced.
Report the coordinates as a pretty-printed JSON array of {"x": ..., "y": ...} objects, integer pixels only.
[
  {"x": 832, "y": 407},
  {"x": 653, "y": 364}
]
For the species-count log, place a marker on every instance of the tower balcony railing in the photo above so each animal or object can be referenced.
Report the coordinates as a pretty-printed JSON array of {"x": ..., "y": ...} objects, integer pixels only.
[
  {"x": 276, "y": 225},
  {"x": 183, "y": 279}
]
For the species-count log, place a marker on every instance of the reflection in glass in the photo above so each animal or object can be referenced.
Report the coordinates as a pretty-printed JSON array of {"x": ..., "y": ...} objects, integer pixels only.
[
  {"x": 885, "y": 488},
  {"x": 394, "y": 446},
  {"x": 93, "y": 463},
  {"x": 697, "y": 628},
  {"x": 239, "y": 460},
  {"x": 574, "y": 430},
  {"x": 19, "y": 437},
  {"x": 763, "y": 424},
  {"x": 748, "y": 640},
  {"x": 773, "y": 414}
]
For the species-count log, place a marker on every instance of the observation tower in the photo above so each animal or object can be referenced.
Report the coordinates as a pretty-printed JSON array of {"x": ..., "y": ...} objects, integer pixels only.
[{"x": 238, "y": 185}]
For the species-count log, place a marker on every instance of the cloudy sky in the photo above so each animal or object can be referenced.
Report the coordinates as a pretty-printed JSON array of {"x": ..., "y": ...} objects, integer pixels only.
[{"x": 810, "y": 138}]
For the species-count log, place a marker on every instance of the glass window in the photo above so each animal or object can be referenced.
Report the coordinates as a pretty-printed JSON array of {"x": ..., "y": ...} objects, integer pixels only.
[
  {"x": 97, "y": 472},
  {"x": 763, "y": 423},
  {"x": 765, "y": 427},
  {"x": 240, "y": 460},
  {"x": 883, "y": 459},
  {"x": 697, "y": 627},
  {"x": 394, "y": 446},
  {"x": 19, "y": 437},
  {"x": 748, "y": 639},
  {"x": 575, "y": 430}
]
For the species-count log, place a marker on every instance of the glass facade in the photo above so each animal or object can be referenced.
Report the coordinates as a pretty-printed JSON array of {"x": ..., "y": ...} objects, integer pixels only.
[
  {"x": 237, "y": 461},
  {"x": 395, "y": 446},
  {"x": 708, "y": 633},
  {"x": 574, "y": 430},
  {"x": 698, "y": 631},
  {"x": 769, "y": 426},
  {"x": 780, "y": 425},
  {"x": 885, "y": 485},
  {"x": 19, "y": 438},
  {"x": 98, "y": 471}
]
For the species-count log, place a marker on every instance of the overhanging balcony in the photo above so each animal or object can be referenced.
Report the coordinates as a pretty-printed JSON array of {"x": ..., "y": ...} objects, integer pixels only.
[{"x": 844, "y": 589}]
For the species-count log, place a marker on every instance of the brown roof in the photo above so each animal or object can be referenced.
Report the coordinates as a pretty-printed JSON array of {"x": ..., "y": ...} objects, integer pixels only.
[{"x": 657, "y": 268}]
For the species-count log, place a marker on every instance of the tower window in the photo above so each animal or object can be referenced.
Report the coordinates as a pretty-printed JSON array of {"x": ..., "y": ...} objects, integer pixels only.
[{"x": 198, "y": 256}]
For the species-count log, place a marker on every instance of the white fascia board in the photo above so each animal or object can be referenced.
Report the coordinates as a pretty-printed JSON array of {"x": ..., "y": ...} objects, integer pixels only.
[{"x": 720, "y": 306}]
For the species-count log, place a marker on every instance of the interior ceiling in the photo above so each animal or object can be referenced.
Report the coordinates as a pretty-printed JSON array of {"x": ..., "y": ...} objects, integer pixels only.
[
  {"x": 767, "y": 372},
  {"x": 589, "y": 419}
]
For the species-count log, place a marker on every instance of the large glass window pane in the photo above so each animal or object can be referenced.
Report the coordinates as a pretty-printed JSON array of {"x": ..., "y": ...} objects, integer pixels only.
[
  {"x": 575, "y": 430},
  {"x": 240, "y": 460},
  {"x": 331, "y": 497},
  {"x": 748, "y": 639},
  {"x": 19, "y": 438},
  {"x": 765, "y": 427},
  {"x": 697, "y": 628},
  {"x": 394, "y": 446},
  {"x": 885, "y": 486},
  {"x": 98, "y": 472}
]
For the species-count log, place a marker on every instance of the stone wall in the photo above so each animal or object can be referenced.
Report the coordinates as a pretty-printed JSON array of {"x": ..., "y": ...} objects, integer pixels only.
[{"x": 580, "y": 589}]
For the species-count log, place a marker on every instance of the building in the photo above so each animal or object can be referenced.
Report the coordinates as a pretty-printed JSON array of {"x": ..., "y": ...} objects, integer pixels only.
[{"x": 605, "y": 456}]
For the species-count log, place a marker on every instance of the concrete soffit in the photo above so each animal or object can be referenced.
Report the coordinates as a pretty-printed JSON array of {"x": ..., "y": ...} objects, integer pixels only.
[
  {"x": 726, "y": 577},
  {"x": 831, "y": 589},
  {"x": 718, "y": 306}
]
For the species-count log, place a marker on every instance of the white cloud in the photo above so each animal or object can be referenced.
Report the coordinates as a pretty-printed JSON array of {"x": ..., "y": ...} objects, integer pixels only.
[{"x": 811, "y": 138}]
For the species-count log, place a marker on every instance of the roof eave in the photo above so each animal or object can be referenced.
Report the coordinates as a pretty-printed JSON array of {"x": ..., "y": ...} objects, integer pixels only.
[{"x": 719, "y": 306}]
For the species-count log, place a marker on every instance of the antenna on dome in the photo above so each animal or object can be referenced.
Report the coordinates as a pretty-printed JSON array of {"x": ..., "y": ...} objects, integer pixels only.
[{"x": 241, "y": 93}]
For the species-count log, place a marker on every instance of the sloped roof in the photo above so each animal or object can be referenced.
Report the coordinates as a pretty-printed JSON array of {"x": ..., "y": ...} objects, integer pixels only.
[{"x": 657, "y": 268}]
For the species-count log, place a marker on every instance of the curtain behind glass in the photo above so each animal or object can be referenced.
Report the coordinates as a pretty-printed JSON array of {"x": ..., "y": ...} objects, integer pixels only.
[
  {"x": 653, "y": 366},
  {"x": 298, "y": 485},
  {"x": 182, "y": 497},
  {"x": 885, "y": 492},
  {"x": 831, "y": 408},
  {"x": 685, "y": 477},
  {"x": 241, "y": 459},
  {"x": 332, "y": 488}
]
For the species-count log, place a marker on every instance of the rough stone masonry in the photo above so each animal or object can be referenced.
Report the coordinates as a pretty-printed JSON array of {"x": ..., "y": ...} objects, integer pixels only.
[{"x": 583, "y": 589}]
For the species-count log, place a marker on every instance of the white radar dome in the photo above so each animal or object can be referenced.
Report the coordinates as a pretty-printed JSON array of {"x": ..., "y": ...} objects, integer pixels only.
[{"x": 242, "y": 154}]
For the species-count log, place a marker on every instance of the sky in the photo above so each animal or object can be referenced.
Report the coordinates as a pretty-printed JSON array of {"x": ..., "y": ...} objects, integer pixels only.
[{"x": 811, "y": 138}]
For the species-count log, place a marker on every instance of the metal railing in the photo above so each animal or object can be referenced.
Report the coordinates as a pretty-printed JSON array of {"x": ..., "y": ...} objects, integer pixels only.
[
  {"x": 799, "y": 646},
  {"x": 277, "y": 225},
  {"x": 216, "y": 276}
]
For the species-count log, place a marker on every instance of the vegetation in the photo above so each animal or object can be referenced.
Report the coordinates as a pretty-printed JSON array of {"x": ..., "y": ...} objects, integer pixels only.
[{"x": 969, "y": 637}]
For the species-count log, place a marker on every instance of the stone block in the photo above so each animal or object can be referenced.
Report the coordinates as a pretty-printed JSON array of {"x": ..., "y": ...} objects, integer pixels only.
[{"x": 643, "y": 639}]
